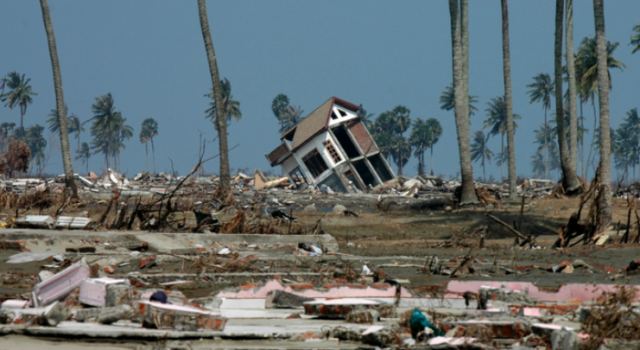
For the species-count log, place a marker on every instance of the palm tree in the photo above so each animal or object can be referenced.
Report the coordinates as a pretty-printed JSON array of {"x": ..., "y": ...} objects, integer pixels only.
[
  {"x": 83, "y": 154},
  {"x": 496, "y": 121},
  {"x": 289, "y": 115},
  {"x": 506, "y": 64},
  {"x": 458, "y": 48},
  {"x": 635, "y": 38},
  {"x": 109, "y": 129},
  {"x": 571, "y": 93},
  {"x": 540, "y": 90},
  {"x": 57, "y": 86},
  {"x": 149, "y": 130},
  {"x": 74, "y": 125},
  {"x": 221, "y": 123},
  {"x": 388, "y": 131},
  {"x": 480, "y": 151},
  {"x": 231, "y": 107},
  {"x": 37, "y": 144},
  {"x": 20, "y": 93},
  {"x": 447, "y": 101},
  {"x": 603, "y": 201},
  {"x": 570, "y": 181},
  {"x": 546, "y": 157},
  {"x": 424, "y": 135}
]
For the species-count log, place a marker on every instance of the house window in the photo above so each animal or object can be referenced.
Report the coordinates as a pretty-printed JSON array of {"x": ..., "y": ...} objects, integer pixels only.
[
  {"x": 332, "y": 152},
  {"x": 315, "y": 163}
]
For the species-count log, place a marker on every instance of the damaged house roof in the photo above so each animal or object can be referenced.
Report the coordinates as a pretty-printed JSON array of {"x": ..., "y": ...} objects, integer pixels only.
[{"x": 314, "y": 123}]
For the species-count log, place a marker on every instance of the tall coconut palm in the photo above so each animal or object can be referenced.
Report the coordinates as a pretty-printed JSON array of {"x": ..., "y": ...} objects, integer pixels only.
[
  {"x": 570, "y": 181},
  {"x": 424, "y": 135},
  {"x": 635, "y": 38},
  {"x": 70, "y": 184},
  {"x": 572, "y": 89},
  {"x": 541, "y": 90},
  {"x": 480, "y": 151},
  {"x": 230, "y": 107},
  {"x": 83, "y": 154},
  {"x": 603, "y": 201},
  {"x": 221, "y": 123},
  {"x": 467, "y": 193},
  {"x": 506, "y": 67},
  {"x": 109, "y": 130},
  {"x": 20, "y": 93},
  {"x": 37, "y": 144},
  {"x": 149, "y": 130}
]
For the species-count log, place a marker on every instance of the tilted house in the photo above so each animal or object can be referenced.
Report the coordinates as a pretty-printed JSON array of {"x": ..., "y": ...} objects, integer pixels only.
[{"x": 332, "y": 146}]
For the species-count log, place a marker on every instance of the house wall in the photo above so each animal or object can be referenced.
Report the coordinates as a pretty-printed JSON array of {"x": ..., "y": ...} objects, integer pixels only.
[{"x": 316, "y": 143}]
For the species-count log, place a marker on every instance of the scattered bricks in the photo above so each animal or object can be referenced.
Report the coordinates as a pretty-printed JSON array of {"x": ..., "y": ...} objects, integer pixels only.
[
  {"x": 337, "y": 308},
  {"x": 301, "y": 286},
  {"x": 146, "y": 262},
  {"x": 109, "y": 269},
  {"x": 279, "y": 299},
  {"x": 104, "y": 291},
  {"x": 104, "y": 315},
  {"x": 61, "y": 284},
  {"x": 177, "y": 317},
  {"x": 363, "y": 316},
  {"x": 8, "y": 244},
  {"x": 505, "y": 329}
]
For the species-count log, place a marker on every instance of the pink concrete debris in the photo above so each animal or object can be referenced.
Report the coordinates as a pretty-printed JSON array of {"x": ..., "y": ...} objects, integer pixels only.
[
  {"x": 60, "y": 284},
  {"x": 568, "y": 293},
  {"x": 12, "y": 304},
  {"x": 93, "y": 291},
  {"x": 331, "y": 293}
]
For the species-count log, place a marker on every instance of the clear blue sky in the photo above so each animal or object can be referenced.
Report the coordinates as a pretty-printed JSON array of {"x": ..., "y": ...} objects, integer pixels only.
[{"x": 149, "y": 54}]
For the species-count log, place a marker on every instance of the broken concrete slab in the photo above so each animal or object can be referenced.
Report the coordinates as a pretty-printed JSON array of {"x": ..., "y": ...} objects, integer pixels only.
[
  {"x": 179, "y": 317},
  {"x": 72, "y": 222},
  {"x": 337, "y": 308},
  {"x": 279, "y": 299},
  {"x": 27, "y": 257},
  {"x": 104, "y": 315},
  {"x": 60, "y": 284},
  {"x": 35, "y": 221},
  {"x": 104, "y": 291}
]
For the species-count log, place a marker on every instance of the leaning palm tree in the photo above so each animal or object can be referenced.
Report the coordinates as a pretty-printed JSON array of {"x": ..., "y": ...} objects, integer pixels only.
[
  {"x": 540, "y": 90},
  {"x": 230, "y": 107},
  {"x": 506, "y": 64},
  {"x": 467, "y": 193},
  {"x": 20, "y": 93},
  {"x": 149, "y": 130},
  {"x": 109, "y": 130},
  {"x": 480, "y": 151},
  {"x": 570, "y": 181},
  {"x": 635, "y": 38},
  {"x": 221, "y": 123},
  {"x": 603, "y": 201},
  {"x": 83, "y": 154},
  {"x": 60, "y": 106}
]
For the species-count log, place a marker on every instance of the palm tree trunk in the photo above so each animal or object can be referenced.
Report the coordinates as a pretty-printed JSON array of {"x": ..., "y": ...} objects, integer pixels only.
[
  {"x": 153, "y": 155},
  {"x": 603, "y": 204},
  {"x": 581, "y": 127},
  {"x": 546, "y": 160},
  {"x": 569, "y": 179},
  {"x": 506, "y": 67},
  {"x": 60, "y": 110},
  {"x": 571, "y": 72},
  {"x": 468, "y": 194},
  {"x": 221, "y": 120}
]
